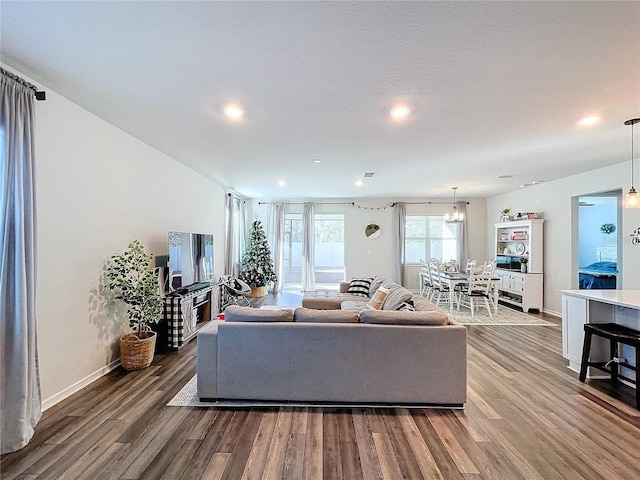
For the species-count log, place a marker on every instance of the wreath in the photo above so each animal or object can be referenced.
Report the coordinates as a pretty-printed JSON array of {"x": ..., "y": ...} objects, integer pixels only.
[{"x": 608, "y": 228}]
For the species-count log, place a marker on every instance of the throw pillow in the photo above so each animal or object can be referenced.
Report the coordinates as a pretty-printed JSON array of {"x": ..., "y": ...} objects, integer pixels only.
[
  {"x": 378, "y": 298},
  {"x": 397, "y": 296},
  {"x": 407, "y": 306},
  {"x": 376, "y": 284},
  {"x": 360, "y": 286}
]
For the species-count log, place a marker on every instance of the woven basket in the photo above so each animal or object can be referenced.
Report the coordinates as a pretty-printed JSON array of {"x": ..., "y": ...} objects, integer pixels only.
[
  {"x": 136, "y": 352},
  {"x": 258, "y": 292}
]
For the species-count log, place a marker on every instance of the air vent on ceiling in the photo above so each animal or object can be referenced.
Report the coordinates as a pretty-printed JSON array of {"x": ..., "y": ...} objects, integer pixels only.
[{"x": 368, "y": 174}]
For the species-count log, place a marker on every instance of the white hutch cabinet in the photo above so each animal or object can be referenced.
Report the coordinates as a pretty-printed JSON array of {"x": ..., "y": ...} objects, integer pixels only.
[{"x": 514, "y": 241}]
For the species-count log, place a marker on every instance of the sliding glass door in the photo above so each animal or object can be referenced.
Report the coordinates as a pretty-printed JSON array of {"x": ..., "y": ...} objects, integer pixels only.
[{"x": 329, "y": 258}]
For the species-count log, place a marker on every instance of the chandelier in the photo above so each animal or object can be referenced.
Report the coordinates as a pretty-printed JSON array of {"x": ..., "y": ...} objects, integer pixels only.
[{"x": 454, "y": 216}]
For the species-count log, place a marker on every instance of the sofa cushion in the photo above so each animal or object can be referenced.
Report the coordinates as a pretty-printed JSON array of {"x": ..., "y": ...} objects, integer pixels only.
[
  {"x": 422, "y": 304},
  {"x": 356, "y": 305},
  {"x": 235, "y": 313},
  {"x": 310, "y": 315},
  {"x": 360, "y": 286},
  {"x": 378, "y": 298},
  {"x": 433, "y": 317},
  {"x": 397, "y": 296}
]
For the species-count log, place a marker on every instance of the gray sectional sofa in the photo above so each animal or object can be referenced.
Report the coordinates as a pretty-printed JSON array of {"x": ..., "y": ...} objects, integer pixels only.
[
  {"x": 332, "y": 300},
  {"x": 360, "y": 356}
]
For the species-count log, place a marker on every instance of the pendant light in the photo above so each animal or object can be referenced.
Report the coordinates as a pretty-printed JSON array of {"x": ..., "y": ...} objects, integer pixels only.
[
  {"x": 454, "y": 216},
  {"x": 632, "y": 199}
]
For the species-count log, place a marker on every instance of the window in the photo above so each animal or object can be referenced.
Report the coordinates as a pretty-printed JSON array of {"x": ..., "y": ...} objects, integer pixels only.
[
  {"x": 292, "y": 249},
  {"x": 329, "y": 259},
  {"x": 429, "y": 236},
  {"x": 329, "y": 248}
]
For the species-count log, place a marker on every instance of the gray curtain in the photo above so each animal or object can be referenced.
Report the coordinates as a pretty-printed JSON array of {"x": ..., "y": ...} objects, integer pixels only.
[
  {"x": 235, "y": 234},
  {"x": 463, "y": 236},
  {"x": 228, "y": 235},
  {"x": 275, "y": 226},
  {"x": 399, "y": 220},
  {"x": 308, "y": 248},
  {"x": 20, "y": 400}
]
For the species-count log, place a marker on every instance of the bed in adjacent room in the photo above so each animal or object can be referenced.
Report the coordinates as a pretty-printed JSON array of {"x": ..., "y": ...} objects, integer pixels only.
[{"x": 598, "y": 275}]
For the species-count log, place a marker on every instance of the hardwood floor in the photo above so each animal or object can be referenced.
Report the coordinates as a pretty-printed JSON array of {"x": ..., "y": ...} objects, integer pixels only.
[{"x": 527, "y": 416}]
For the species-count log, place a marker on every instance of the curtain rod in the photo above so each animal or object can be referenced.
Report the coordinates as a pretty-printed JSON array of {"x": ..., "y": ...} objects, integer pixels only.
[
  {"x": 39, "y": 94},
  {"x": 354, "y": 203},
  {"x": 302, "y": 203},
  {"x": 237, "y": 198},
  {"x": 427, "y": 203}
]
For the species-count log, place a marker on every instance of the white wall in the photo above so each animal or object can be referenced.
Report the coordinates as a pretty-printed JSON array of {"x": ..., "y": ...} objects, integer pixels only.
[
  {"x": 369, "y": 257},
  {"x": 591, "y": 219},
  {"x": 98, "y": 189},
  {"x": 555, "y": 200}
]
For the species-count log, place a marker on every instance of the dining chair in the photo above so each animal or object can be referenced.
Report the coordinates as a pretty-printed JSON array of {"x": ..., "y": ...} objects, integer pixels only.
[
  {"x": 478, "y": 290},
  {"x": 489, "y": 268},
  {"x": 471, "y": 264},
  {"x": 426, "y": 286},
  {"x": 440, "y": 286}
]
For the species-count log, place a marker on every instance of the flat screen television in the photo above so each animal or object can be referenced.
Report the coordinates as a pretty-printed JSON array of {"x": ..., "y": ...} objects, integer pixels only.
[{"x": 190, "y": 260}]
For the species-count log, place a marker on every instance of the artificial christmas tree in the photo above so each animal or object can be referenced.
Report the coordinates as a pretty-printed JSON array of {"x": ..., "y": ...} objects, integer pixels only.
[{"x": 257, "y": 265}]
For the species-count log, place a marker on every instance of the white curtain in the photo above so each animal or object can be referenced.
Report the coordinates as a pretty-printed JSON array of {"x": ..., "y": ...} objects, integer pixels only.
[
  {"x": 275, "y": 234},
  {"x": 463, "y": 236},
  {"x": 308, "y": 248},
  {"x": 235, "y": 234},
  {"x": 399, "y": 220},
  {"x": 20, "y": 399}
]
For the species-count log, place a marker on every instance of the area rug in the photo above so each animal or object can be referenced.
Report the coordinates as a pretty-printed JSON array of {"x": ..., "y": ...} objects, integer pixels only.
[
  {"x": 504, "y": 316},
  {"x": 188, "y": 397}
]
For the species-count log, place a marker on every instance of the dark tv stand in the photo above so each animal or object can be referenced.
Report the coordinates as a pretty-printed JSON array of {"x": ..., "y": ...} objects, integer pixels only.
[{"x": 200, "y": 306}]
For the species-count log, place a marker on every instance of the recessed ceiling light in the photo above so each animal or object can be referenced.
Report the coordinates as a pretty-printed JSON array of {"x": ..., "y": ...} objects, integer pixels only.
[
  {"x": 400, "y": 112},
  {"x": 317, "y": 160},
  {"x": 233, "y": 112},
  {"x": 359, "y": 183},
  {"x": 282, "y": 183},
  {"x": 590, "y": 120},
  {"x": 505, "y": 176}
]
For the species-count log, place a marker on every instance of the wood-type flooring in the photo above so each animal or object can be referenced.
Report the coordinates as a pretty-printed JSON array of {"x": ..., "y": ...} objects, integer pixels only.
[{"x": 527, "y": 417}]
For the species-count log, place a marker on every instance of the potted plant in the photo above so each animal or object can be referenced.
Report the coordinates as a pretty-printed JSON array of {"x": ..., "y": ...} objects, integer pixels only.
[
  {"x": 523, "y": 264},
  {"x": 504, "y": 214},
  {"x": 129, "y": 276}
]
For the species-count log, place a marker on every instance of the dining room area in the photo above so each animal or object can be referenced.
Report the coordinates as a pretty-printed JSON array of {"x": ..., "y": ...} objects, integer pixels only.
[{"x": 473, "y": 293}]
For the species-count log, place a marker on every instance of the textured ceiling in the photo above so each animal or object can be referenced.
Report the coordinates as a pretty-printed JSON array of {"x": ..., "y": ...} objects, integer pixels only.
[{"x": 495, "y": 87}]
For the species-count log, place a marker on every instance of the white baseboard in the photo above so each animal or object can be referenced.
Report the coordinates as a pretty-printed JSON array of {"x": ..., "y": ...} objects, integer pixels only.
[{"x": 79, "y": 385}]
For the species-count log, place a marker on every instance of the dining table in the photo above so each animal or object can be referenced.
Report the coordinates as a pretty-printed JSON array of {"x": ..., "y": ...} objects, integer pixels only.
[{"x": 455, "y": 278}]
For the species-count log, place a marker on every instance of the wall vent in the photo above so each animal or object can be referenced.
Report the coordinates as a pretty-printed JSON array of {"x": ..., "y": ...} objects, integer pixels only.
[{"x": 368, "y": 174}]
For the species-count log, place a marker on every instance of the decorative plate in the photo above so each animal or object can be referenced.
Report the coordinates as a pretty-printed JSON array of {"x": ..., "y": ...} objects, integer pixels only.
[{"x": 519, "y": 248}]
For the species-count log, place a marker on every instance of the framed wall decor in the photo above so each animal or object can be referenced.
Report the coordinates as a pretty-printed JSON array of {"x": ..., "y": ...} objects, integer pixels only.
[{"x": 372, "y": 231}]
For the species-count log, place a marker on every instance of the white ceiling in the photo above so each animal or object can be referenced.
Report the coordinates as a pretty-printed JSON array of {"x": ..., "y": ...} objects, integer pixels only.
[{"x": 496, "y": 88}]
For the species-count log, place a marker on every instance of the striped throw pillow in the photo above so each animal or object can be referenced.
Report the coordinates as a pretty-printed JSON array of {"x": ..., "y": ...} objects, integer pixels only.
[{"x": 360, "y": 286}]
